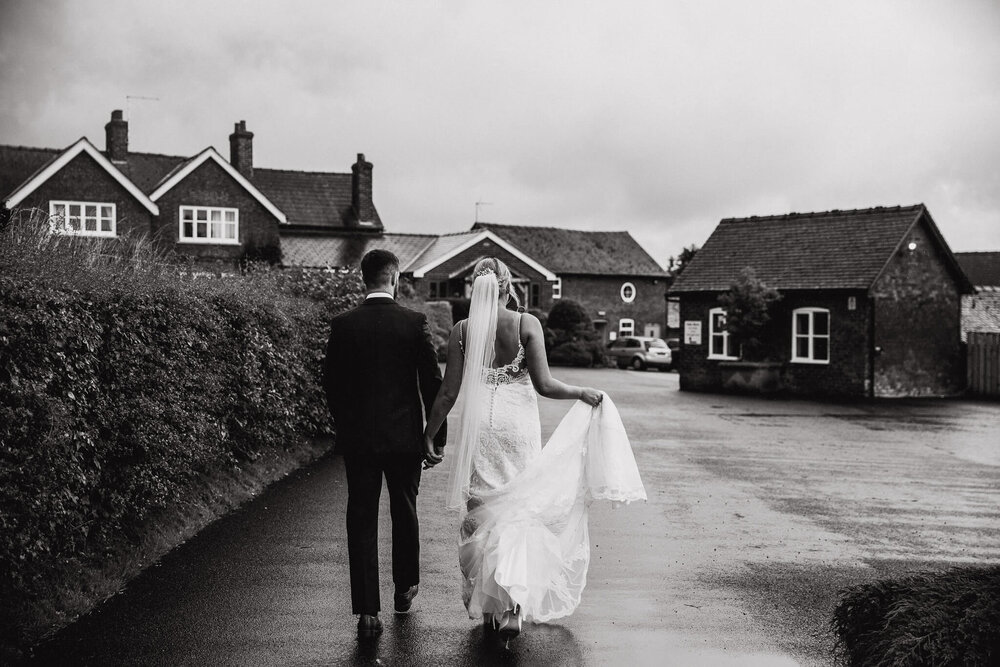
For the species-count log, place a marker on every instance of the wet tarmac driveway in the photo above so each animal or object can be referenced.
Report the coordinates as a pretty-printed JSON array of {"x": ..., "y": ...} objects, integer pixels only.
[{"x": 759, "y": 511}]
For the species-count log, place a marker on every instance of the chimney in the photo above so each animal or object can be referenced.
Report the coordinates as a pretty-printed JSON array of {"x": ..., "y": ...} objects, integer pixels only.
[
  {"x": 361, "y": 191},
  {"x": 116, "y": 137},
  {"x": 241, "y": 149}
]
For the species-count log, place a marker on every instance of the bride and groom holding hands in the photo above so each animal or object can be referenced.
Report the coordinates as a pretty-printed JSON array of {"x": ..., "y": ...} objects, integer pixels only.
[{"x": 523, "y": 542}]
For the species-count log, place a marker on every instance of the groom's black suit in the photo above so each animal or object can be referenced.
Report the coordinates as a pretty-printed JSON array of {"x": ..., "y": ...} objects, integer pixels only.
[{"x": 380, "y": 375}]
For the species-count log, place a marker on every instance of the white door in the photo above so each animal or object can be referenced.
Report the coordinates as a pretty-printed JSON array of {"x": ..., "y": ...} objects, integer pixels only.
[{"x": 652, "y": 330}]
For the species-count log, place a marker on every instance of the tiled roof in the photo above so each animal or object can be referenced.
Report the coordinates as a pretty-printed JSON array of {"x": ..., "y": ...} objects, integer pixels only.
[
  {"x": 983, "y": 268},
  {"x": 570, "y": 251},
  {"x": 317, "y": 199},
  {"x": 147, "y": 170},
  {"x": 440, "y": 246},
  {"x": 321, "y": 250},
  {"x": 981, "y": 312},
  {"x": 19, "y": 163},
  {"x": 313, "y": 198},
  {"x": 829, "y": 250}
]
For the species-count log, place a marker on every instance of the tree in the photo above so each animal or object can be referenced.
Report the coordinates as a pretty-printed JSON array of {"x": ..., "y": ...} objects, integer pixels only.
[
  {"x": 747, "y": 304},
  {"x": 679, "y": 263}
]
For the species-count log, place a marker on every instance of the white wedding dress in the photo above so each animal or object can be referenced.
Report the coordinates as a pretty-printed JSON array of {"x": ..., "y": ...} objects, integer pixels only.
[{"x": 524, "y": 538}]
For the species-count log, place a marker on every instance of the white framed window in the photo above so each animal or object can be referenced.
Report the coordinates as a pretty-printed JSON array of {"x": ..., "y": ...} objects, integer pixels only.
[
  {"x": 718, "y": 337},
  {"x": 82, "y": 218},
  {"x": 209, "y": 224},
  {"x": 811, "y": 335},
  {"x": 557, "y": 289},
  {"x": 628, "y": 292},
  {"x": 626, "y": 327}
]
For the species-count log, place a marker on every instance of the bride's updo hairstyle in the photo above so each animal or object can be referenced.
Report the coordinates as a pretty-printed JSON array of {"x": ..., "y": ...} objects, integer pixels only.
[{"x": 503, "y": 276}]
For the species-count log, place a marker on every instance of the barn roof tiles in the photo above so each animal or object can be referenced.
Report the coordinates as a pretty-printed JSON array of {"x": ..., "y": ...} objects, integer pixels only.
[{"x": 827, "y": 250}]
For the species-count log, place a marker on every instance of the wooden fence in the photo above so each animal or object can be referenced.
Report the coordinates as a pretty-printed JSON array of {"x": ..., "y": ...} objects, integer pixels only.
[{"x": 984, "y": 363}]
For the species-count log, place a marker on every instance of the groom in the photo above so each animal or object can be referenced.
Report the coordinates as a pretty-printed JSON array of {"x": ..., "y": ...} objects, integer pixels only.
[{"x": 380, "y": 366}]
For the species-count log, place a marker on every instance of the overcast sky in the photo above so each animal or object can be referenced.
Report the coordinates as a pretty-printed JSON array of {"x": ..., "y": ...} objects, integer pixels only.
[{"x": 656, "y": 117}]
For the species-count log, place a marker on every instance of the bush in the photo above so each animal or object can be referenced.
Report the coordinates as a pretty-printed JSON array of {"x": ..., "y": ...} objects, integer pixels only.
[
  {"x": 439, "y": 320},
  {"x": 950, "y": 618},
  {"x": 569, "y": 318},
  {"x": 123, "y": 381},
  {"x": 572, "y": 353},
  {"x": 747, "y": 303},
  {"x": 571, "y": 338}
]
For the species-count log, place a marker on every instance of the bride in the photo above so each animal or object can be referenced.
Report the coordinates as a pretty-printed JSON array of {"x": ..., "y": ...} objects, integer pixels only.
[{"x": 524, "y": 546}]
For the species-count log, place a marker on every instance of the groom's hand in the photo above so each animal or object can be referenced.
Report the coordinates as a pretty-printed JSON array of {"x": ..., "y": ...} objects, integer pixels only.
[{"x": 433, "y": 455}]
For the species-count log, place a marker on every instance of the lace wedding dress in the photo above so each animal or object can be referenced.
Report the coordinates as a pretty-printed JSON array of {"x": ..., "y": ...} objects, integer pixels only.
[{"x": 524, "y": 537}]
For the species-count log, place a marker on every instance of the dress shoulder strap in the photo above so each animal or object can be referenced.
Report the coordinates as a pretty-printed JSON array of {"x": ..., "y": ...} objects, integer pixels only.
[{"x": 519, "y": 318}]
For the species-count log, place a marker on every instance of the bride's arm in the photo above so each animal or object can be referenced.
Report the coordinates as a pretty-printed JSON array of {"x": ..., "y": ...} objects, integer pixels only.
[
  {"x": 538, "y": 367},
  {"x": 450, "y": 386}
]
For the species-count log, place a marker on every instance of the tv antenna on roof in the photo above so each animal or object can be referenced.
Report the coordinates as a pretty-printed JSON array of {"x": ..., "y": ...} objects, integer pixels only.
[
  {"x": 128, "y": 103},
  {"x": 481, "y": 203}
]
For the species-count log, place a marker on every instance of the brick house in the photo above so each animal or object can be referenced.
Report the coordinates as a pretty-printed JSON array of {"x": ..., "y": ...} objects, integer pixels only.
[
  {"x": 871, "y": 303},
  {"x": 608, "y": 273},
  {"x": 438, "y": 267},
  {"x": 201, "y": 206},
  {"x": 981, "y": 311}
]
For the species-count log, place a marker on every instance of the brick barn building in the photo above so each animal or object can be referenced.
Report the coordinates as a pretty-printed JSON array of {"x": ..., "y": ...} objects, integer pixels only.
[
  {"x": 609, "y": 273},
  {"x": 615, "y": 280},
  {"x": 871, "y": 303},
  {"x": 202, "y": 206}
]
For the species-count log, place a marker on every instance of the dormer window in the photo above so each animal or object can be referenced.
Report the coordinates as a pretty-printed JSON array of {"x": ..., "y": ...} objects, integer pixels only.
[
  {"x": 79, "y": 218},
  {"x": 209, "y": 224}
]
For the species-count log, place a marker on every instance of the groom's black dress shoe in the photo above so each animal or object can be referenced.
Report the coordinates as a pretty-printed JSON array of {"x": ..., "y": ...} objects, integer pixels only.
[
  {"x": 404, "y": 599},
  {"x": 369, "y": 626}
]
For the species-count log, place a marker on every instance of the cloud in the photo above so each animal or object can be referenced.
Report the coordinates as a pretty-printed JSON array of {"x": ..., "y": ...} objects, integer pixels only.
[{"x": 656, "y": 117}]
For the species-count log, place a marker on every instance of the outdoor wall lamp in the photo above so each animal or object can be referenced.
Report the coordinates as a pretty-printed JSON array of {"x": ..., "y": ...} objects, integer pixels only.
[{"x": 912, "y": 246}]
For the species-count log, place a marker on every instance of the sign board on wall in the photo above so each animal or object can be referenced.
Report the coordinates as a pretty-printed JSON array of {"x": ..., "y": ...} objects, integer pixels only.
[
  {"x": 673, "y": 313},
  {"x": 692, "y": 332}
]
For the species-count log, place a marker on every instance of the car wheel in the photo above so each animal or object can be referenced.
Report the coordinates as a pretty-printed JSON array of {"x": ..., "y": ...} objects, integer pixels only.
[{"x": 637, "y": 364}]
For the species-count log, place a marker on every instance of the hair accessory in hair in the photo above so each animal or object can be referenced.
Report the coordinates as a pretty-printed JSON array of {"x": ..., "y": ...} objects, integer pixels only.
[{"x": 485, "y": 272}]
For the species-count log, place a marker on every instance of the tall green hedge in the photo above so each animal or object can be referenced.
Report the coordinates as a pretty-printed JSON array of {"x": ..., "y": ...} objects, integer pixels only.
[
  {"x": 124, "y": 381},
  {"x": 112, "y": 404}
]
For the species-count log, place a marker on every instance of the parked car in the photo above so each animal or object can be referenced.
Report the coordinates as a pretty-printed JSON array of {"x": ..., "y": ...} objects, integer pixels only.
[{"x": 641, "y": 352}]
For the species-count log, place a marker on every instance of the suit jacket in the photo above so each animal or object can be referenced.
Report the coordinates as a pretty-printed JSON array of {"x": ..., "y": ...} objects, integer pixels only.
[{"x": 380, "y": 376}]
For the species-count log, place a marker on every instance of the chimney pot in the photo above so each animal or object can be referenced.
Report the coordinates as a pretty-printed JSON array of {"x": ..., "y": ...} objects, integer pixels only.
[
  {"x": 361, "y": 191},
  {"x": 241, "y": 149},
  {"x": 116, "y": 137}
]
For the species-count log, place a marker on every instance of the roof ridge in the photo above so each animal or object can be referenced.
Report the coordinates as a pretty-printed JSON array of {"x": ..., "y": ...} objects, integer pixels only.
[
  {"x": 302, "y": 171},
  {"x": 21, "y": 147},
  {"x": 840, "y": 213},
  {"x": 977, "y": 252},
  {"x": 549, "y": 227}
]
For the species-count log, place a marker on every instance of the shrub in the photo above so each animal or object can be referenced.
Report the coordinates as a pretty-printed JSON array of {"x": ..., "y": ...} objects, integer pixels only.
[
  {"x": 747, "y": 303},
  {"x": 571, "y": 338},
  {"x": 571, "y": 353},
  {"x": 124, "y": 380},
  {"x": 438, "y": 320},
  {"x": 949, "y": 618},
  {"x": 569, "y": 319}
]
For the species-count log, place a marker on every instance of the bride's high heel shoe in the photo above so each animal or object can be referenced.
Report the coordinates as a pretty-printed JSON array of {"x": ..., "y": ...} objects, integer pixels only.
[{"x": 509, "y": 625}]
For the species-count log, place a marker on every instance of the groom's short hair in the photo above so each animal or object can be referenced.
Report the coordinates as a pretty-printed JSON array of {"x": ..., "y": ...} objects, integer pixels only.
[{"x": 377, "y": 267}]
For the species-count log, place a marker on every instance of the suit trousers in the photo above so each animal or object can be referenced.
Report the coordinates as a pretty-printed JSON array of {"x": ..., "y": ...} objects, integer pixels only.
[{"x": 364, "y": 487}]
